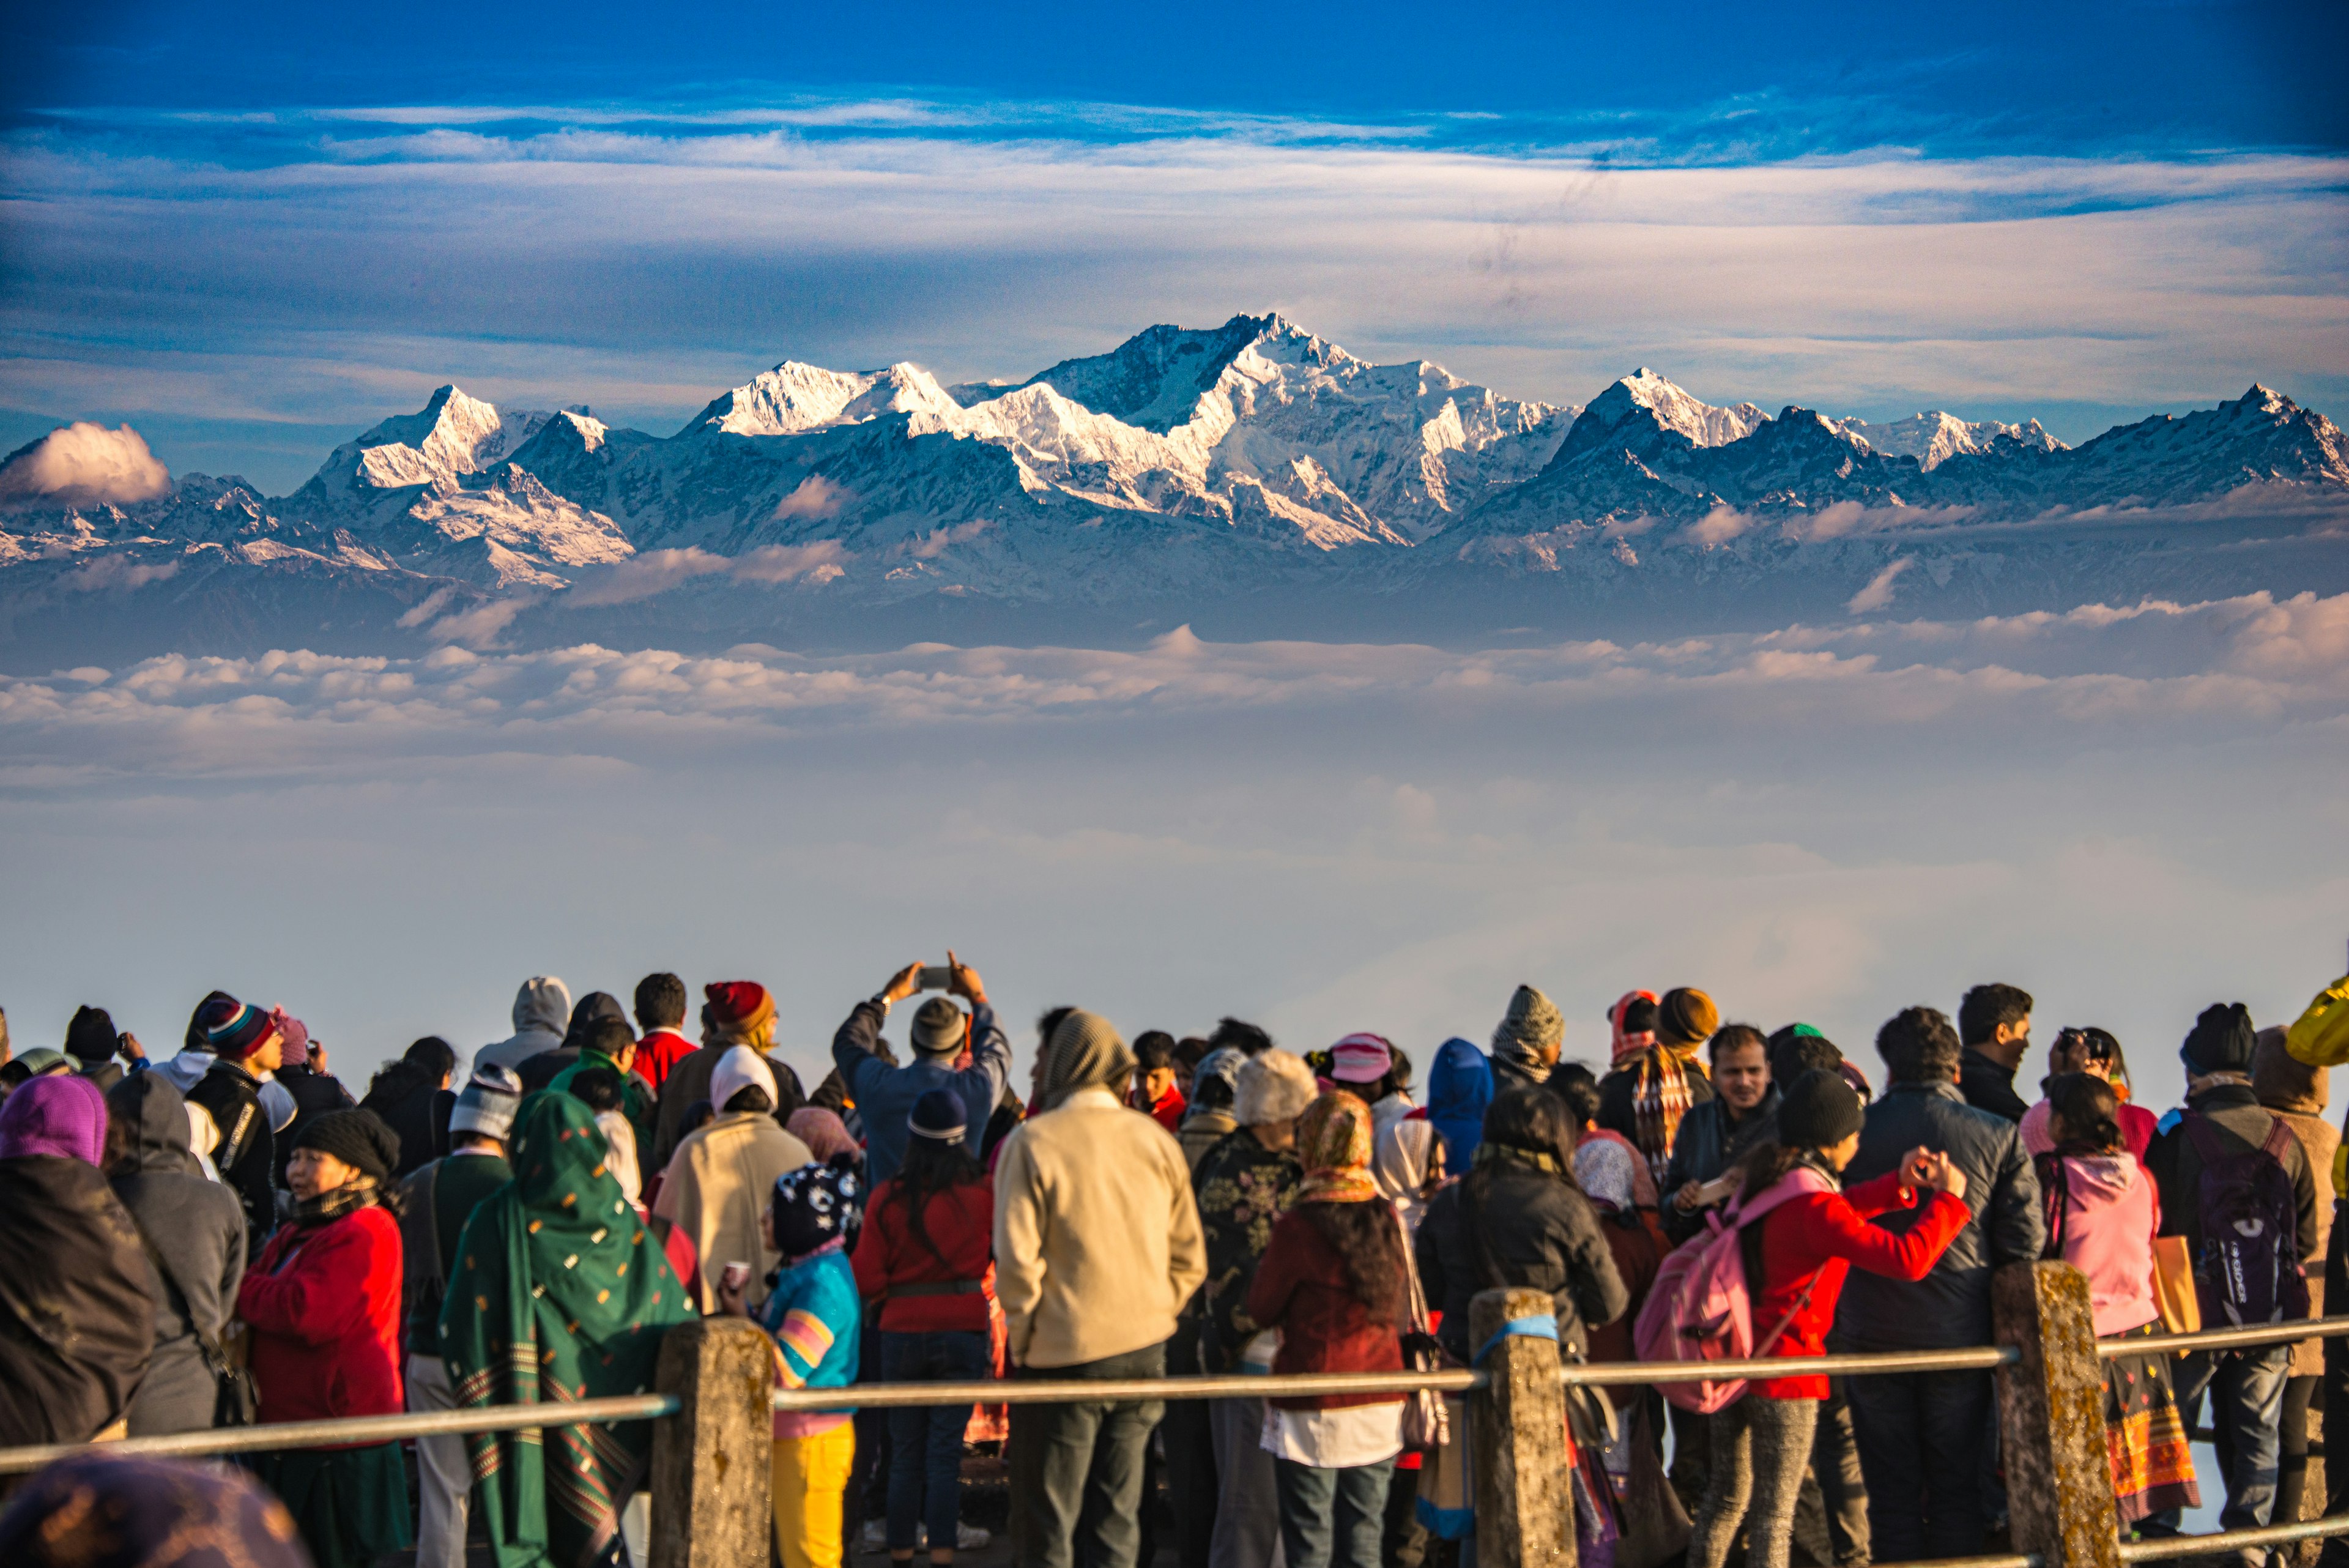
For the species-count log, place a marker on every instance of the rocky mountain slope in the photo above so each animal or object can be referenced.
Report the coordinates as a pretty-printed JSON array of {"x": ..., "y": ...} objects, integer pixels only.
[{"x": 1252, "y": 473}]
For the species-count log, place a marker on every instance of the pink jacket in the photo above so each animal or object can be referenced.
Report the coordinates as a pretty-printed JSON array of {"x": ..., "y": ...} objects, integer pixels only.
[{"x": 2109, "y": 1221}]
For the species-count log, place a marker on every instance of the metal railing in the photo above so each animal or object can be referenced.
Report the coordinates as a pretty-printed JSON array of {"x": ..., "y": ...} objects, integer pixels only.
[{"x": 1068, "y": 1390}]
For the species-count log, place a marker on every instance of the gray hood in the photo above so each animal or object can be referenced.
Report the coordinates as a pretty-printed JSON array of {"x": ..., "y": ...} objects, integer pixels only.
[
  {"x": 157, "y": 1113},
  {"x": 543, "y": 1006}
]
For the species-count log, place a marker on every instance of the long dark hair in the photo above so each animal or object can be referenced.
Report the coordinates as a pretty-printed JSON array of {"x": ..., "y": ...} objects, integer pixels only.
[
  {"x": 2091, "y": 1113},
  {"x": 1369, "y": 1238},
  {"x": 1764, "y": 1164},
  {"x": 933, "y": 1166}
]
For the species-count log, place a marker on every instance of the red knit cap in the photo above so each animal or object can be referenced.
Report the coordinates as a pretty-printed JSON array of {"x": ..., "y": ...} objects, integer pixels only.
[{"x": 738, "y": 1006}]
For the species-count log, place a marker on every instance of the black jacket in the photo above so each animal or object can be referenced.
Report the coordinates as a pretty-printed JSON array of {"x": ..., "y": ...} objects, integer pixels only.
[
  {"x": 1539, "y": 1233},
  {"x": 1989, "y": 1085},
  {"x": 418, "y": 1109},
  {"x": 2241, "y": 1123},
  {"x": 246, "y": 1155},
  {"x": 1951, "y": 1306},
  {"x": 1707, "y": 1146}
]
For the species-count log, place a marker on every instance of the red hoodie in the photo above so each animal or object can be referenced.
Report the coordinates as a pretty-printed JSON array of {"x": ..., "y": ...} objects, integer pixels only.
[
  {"x": 323, "y": 1303},
  {"x": 1820, "y": 1235},
  {"x": 1168, "y": 1111}
]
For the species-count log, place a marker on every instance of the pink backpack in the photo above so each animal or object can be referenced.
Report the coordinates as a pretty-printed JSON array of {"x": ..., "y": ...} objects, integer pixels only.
[{"x": 1701, "y": 1309}]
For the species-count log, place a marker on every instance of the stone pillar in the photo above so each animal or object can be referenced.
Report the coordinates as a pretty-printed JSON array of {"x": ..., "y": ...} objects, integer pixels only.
[
  {"x": 2051, "y": 1418},
  {"x": 709, "y": 1471},
  {"x": 1525, "y": 1505}
]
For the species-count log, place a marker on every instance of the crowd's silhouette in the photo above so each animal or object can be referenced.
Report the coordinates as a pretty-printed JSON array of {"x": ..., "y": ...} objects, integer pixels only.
[{"x": 226, "y": 1238}]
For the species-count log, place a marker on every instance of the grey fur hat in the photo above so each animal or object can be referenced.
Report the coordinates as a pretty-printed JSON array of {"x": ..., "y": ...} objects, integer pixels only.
[{"x": 1274, "y": 1086}]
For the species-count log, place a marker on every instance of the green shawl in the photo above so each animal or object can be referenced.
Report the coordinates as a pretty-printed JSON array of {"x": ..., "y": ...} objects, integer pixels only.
[{"x": 560, "y": 1292}]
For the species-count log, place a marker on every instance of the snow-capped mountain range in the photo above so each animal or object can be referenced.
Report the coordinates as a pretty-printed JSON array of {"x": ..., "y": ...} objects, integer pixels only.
[{"x": 1252, "y": 471}]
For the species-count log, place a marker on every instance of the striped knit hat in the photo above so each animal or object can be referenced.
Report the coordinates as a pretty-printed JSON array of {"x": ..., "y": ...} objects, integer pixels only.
[{"x": 231, "y": 1028}]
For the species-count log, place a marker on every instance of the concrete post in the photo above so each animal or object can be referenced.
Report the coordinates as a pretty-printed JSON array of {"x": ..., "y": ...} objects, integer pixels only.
[
  {"x": 2051, "y": 1418},
  {"x": 1525, "y": 1502},
  {"x": 710, "y": 1460}
]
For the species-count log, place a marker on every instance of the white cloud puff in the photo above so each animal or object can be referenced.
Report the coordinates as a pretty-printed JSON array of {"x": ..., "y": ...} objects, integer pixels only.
[{"x": 84, "y": 464}]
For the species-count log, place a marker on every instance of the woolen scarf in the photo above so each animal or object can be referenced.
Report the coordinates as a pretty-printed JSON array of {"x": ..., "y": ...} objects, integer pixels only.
[
  {"x": 1333, "y": 1145},
  {"x": 1659, "y": 1100},
  {"x": 325, "y": 1208},
  {"x": 560, "y": 1293}
]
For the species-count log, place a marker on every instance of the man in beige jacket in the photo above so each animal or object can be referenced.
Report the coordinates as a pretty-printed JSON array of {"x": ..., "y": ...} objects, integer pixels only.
[
  {"x": 1097, "y": 1248},
  {"x": 722, "y": 1177}
]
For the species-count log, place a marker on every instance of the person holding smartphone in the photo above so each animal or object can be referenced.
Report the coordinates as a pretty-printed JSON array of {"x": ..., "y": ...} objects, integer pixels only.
[{"x": 885, "y": 1095}]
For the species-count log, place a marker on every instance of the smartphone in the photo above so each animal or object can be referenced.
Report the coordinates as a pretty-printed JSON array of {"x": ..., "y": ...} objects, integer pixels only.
[
  {"x": 937, "y": 977},
  {"x": 735, "y": 1276}
]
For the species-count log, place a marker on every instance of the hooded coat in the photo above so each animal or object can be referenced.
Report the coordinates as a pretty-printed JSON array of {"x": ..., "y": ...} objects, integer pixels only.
[
  {"x": 542, "y": 1011},
  {"x": 77, "y": 1325},
  {"x": 1459, "y": 1092},
  {"x": 194, "y": 1234},
  {"x": 2110, "y": 1214}
]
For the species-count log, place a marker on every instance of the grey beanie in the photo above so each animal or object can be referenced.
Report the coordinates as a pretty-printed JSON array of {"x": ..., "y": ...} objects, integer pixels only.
[
  {"x": 1533, "y": 1030},
  {"x": 486, "y": 1104},
  {"x": 937, "y": 1028},
  {"x": 1274, "y": 1085}
]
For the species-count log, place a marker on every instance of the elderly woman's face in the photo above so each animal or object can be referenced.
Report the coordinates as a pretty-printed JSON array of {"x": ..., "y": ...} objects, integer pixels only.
[{"x": 312, "y": 1171}]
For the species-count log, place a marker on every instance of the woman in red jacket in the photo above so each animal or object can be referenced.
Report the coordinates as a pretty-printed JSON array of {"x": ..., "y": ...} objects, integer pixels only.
[
  {"x": 925, "y": 1258},
  {"x": 322, "y": 1306},
  {"x": 1332, "y": 1281},
  {"x": 1806, "y": 1244}
]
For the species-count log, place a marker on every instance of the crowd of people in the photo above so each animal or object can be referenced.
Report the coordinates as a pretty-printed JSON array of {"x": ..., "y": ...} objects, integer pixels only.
[{"x": 229, "y": 1237}]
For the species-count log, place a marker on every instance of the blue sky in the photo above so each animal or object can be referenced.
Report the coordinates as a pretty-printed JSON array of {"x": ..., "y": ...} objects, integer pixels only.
[{"x": 251, "y": 230}]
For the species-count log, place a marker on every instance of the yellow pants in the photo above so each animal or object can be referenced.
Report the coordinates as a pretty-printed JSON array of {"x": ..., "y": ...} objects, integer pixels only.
[{"x": 810, "y": 1477}]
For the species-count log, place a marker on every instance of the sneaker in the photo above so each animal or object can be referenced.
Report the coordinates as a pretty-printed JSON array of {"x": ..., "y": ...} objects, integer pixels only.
[
  {"x": 875, "y": 1536},
  {"x": 970, "y": 1538}
]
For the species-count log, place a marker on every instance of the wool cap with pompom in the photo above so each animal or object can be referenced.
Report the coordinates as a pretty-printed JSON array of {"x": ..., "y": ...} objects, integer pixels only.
[
  {"x": 2222, "y": 1040},
  {"x": 815, "y": 1206}
]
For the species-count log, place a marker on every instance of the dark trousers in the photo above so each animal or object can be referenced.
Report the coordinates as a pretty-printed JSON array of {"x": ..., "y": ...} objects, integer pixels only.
[
  {"x": 1190, "y": 1478},
  {"x": 925, "y": 1443},
  {"x": 1404, "y": 1544},
  {"x": 1082, "y": 1464},
  {"x": 1332, "y": 1518},
  {"x": 1923, "y": 1442},
  {"x": 868, "y": 1477}
]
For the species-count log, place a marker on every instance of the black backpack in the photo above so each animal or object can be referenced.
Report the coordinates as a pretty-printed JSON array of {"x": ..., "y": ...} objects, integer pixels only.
[{"x": 2250, "y": 1269}]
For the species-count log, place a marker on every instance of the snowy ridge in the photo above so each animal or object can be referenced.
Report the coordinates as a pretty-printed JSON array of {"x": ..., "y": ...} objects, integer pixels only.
[{"x": 1250, "y": 462}]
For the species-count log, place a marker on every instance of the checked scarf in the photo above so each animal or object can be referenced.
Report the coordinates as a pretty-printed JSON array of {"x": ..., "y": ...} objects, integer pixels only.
[
  {"x": 560, "y": 1293},
  {"x": 1659, "y": 1099}
]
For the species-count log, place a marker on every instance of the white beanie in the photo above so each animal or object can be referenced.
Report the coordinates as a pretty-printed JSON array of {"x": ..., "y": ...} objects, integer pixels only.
[
  {"x": 1274, "y": 1085},
  {"x": 740, "y": 1069}
]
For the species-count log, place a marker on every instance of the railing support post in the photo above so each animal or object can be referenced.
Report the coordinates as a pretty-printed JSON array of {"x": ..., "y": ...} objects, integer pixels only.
[
  {"x": 2051, "y": 1418},
  {"x": 711, "y": 1459},
  {"x": 1525, "y": 1502}
]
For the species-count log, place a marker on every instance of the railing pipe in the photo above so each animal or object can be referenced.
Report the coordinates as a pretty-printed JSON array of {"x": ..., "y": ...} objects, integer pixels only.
[
  {"x": 2234, "y": 1540},
  {"x": 2227, "y": 1338},
  {"x": 355, "y": 1430}
]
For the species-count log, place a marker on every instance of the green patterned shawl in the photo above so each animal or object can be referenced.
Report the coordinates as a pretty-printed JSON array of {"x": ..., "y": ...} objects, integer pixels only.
[{"x": 560, "y": 1292}]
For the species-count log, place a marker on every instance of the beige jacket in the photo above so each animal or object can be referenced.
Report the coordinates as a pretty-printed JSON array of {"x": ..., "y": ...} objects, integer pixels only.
[
  {"x": 718, "y": 1185},
  {"x": 1097, "y": 1242}
]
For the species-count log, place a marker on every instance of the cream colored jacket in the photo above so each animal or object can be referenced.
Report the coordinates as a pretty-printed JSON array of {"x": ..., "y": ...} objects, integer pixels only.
[
  {"x": 1097, "y": 1242},
  {"x": 718, "y": 1183}
]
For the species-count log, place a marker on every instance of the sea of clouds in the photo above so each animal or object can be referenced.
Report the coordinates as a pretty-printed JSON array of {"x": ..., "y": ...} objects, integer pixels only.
[{"x": 2132, "y": 812}]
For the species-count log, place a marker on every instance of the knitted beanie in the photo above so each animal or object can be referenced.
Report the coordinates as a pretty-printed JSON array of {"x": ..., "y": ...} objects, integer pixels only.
[
  {"x": 358, "y": 1137},
  {"x": 1818, "y": 1110},
  {"x": 1361, "y": 1059},
  {"x": 2221, "y": 1041},
  {"x": 940, "y": 1115},
  {"x": 814, "y": 1207},
  {"x": 937, "y": 1028},
  {"x": 1532, "y": 1031},
  {"x": 486, "y": 1104},
  {"x": 91, "y": 1035},
  {"x": 1686, "y": 1016},
  {"x": 738, "y": 1006},
  {"x": 1274, "y": 1086},
  {"x": 231, "y": 1029}
]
